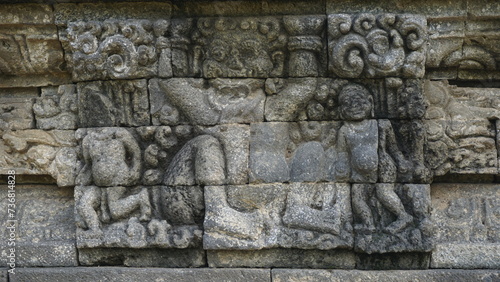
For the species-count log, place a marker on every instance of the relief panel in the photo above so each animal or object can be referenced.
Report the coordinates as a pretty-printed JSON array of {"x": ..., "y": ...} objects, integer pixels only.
[
  {"x": 383, "y": 45},
  {"x": 297, "y": 215},
  {"x": 57, "y": 108},
  {"x": 16, "y": 109}
]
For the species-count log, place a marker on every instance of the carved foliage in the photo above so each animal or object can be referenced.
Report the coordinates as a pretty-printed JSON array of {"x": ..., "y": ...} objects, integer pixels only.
[
  {"x": 119, "y": 49},
  {"x": 139, "y": 217},
  {"x": 113, "y": 103},
  {"x": 368, "y": 45},
  {"x": 198, "y": 101},
  {"x": 280, "y": 215}
]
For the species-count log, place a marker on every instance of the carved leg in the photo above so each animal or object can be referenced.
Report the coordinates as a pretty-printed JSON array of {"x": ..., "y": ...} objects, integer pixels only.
[
  {"x": 360, "y": 206},
  {"x": 209, "y": 162},
  {"x": 388, "y": 198},
  {"x": 87, "y": 206},
  {"x": 121, "y": 207}
]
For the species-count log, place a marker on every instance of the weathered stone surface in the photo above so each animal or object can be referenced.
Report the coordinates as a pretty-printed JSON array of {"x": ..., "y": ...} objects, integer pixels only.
[
  {"x": 16, "y": 108},
  {"x": 148, "y": 257},
  {"x": 137, "y": 274},
  {"x": 446, "y": 36},
  {"x": 355, "y": 151},
  {"x": 392, "y": 218},
  {"x": 460, "y": 135},
  {"x": 296, "y": 258},
  {"x": 4, "y": 275},
  {"x": 434, "y": 10},
  {"x": 39, "y": 152},
  {"x": 393, "y": 261},
  {"x": 468, "y": 225},
  {"x": 206, "y": 102},
  {"x": 437, "y": 275},
  {"x": 44, "y": 228},
  {"x": 30, "y": 50},
  {"x": 369, "y": 45},
  {"x": 139, "y": 217},
  {"x": 298, "y": 99},
  {"x": 117, "y": 49},
  {"x": 302, "y": 216},
  {"x": 71, "y": 12},
  {"x": 113, "y": 103},
  {"x": 181, "y": 155},
  {"x": 57, "y": 108},
  {"x": 26, "y": 14},
  {"x": 250, "y": 47}
]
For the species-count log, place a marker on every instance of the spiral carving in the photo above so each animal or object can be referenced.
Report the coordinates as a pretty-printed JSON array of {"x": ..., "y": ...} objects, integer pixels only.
[
  {"x": 121, "y": 56},
  {"x": 348, "y": 56}
]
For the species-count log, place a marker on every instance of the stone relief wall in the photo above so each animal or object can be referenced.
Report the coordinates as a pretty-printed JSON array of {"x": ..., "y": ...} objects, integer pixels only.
[{"x": 235, "y": 138}]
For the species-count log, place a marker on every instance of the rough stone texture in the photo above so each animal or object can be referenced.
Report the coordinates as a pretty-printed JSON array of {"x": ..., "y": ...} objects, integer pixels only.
[
  {"x": 150, "y": 257},
  {"x": 393, "y": 261},
  {"x": 305, "y": 216},
  {"x": 356, "y": 151},
  {"x": 4, "y": 276},
  {"x": 125, "y": 217},
  {"x": 117, "y": 49},
  {"x": 369, "y": 45},
  {"x": 468, "y": 224},
  {"x": 392, "y": 218},
  {"x": 26, "y": 14},
  {"x": 113, "y": 103},
  {"x": 181, "y": 155},
  {"x": 45, "y": 226},
  {"x": 460, "y": 135},
  {"x": 57, "y": 108},
  {"x": 16, "y": 108},
  {"x": 438, "y": 275},
  {"x": 250, "y": 46},
  {"x": 137, "y": 274},
  {"x": 293, "y": 258},
  {"x": 198, "y": 101},
  {"x": 39, "y": 152}
]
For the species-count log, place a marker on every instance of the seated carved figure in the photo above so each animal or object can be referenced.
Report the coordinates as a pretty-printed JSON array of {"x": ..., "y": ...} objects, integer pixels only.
[
  {"x": 358, "y": 147},
  {"x": 112, "y": 158}
]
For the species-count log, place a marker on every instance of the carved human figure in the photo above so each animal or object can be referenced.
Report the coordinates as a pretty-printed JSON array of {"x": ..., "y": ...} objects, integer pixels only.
[
  {"x": 358, "y": 143},
  {"x": 98, "y": 205},
  {"x": 112, "y": 158}
]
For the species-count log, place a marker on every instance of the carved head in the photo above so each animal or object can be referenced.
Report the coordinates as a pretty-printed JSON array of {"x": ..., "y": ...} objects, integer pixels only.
[{"x": 355, "y": 102}]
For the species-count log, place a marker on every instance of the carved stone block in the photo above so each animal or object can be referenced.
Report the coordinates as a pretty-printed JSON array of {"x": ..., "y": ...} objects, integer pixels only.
[
  {"x": 118, "y": 49},
  {"x": 301, "y": 216},
  {"x": 33, "y": 53},
  {"x": 113, "y": 103},
  {"x": 44, "y": 226},
  {"x": 57, "y": 108},
  {"x": 154, "y": 155},
  {"x": 139, "y": 217},
  {"x": 460, "y": 135},
  {"x": 354, "y": 151},
  {"x": 469, "y": 225},
  {"x": 38, "y": 152},
  {"x": 16, "y": 109},
  {"x": 377, "y": 45},
  {"x": 206, "y": 102},
  {"x": 296, "y": 99},
  {"x": 392, "y": 217},
  {"x": 250, "y": 47}
]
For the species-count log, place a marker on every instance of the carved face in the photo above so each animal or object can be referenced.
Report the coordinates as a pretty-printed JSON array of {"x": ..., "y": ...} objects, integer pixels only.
[
  {"x": 232, "y": 54},
  {"x": 355, "y": 103}
]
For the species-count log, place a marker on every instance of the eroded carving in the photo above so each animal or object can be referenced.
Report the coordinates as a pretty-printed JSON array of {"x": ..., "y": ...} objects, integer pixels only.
[
  {"x": 297, "y": 99},
  {"x": 280, "y": 215},
  {"x": 39, "y": 152},
  {"x": 57, "y": 108},
  {"x": 460, "y": 133},
  {"x": 16, "y": 113},
  {"x": 392, "y": 217},
  {"x": 119, "y": 49},
  {"x": 368, "y": 45},
  {"x": 113, "y": 103},
  {"x": 181, "y": 155},
  {"x": 198, "y": 101},
  {"x": 139, "y": 217}
]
